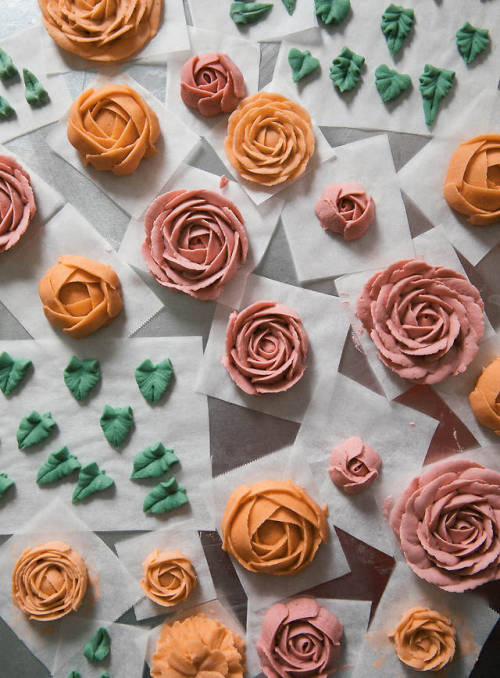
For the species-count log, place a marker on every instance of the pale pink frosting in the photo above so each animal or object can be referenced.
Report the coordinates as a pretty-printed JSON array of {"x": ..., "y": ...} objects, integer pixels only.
[
  {"x": 426, "y": 321},
  {"x": 17, "y": 202},
  {"x": 212, "y": 83},
  {"x": 195, "y": 241},
  {"x": 448, "y": 523},
  {"x": 354, "y": 465},
  {"x": 345, "y": 209},
  {"x": 299, "y": 639},
  {"x": 266, "y": 348}
]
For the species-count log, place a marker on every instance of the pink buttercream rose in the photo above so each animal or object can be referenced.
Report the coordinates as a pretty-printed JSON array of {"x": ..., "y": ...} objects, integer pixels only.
[
  {"x": 195, "y": 241},
  {"x": 354, "y": 465},
  {"x": 212, "y": 83},
  {"x": 299, "y": 639},
  {"x": 448, "y": 523},
  {"x": 266, "y": 348},
  {"x": 17, "y": 202},
  {"x": 345, "y": 209},
  {"x": 426, "y": 321}
]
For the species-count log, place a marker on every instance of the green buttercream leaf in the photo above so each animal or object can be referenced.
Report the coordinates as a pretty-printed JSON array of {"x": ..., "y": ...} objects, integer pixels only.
[
  {"x": 397, "y": 23},
  {"x": 5, "y": 483},
  {"x": 36, "y": 95},
  {"x": 116, "y": 423},
  {"x": 471, "y": 41},
  {"x": 90, "y": 480},
  {"x": 34, "y": 428},
  {"x": 153, "y": 380},
  {"x": 8, "y": 70},
  {"x": 59, "y": 465},
  {"x": 98, "y": 647},
  {"x": 249, "y": 12},
  {"x": 152, "y": 462},
  {"x": 6, "y": 110},
  {"x": 164, "y": 497},
  {"x": 289, "y": 5},
  {"x": 81, "y": 376},
  {"x": 435, "y": 84},
  {"x": 301, "y": 63},
  {"x": 104, "y": 675},
  {"x": 390, "y": 84},
  {"x": 346, "y": 70},
  {"x": 12, "y": 372},
  {"x": 332, "y": 11},
  {"x": 74, "y": 674}
]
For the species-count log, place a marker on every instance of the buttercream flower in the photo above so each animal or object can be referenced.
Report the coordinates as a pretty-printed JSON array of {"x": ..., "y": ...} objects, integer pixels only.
[
  {"x": 448, "y": 523},
  {"x": 113, "y": 128},
  {"x": 17, "y": 202},
  {"x": 211, "y": 83},
  {"x": 49, "y": 581},
  {"x": 79, "y": 295},
  {"x": 299, "y": 639},
  {"x": 266, "y": 348},
  {"x": 168, "y": 578},
  {"x": 269, "y": 139},
  {"x": 426, "y": 321},
  {"x": 273, "y": 526},
  {"x": 195, "y": 241},
  {"x": 472, "y": 182},
  {"x": 354, "y": 465},
  {"x": 485, "y": 398},
  {"x": 424, "y": 639},
  {"x": 345, "y": 209},
  {"x": 198, "y": 647},
  {"x": 101, "y": 30}
]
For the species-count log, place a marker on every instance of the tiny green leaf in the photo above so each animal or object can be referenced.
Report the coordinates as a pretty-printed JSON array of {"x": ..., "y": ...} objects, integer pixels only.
[
  {"x": 332, "y": 11},
  {"x": 98, "y": 647},
  {"x": 90, "y": 480},
  {"x": 471, "y": 41},
  {"x": 59, "y": 465},
  {"x": 152, "y": 462},
  {"x": 164, "y": 497},
  {"x": 346, "y": 69},
  {"x": 6, "y": 110},
  {"x": 243, "y": 13},
  {"x": 397, "y": 23},
  {"x": 5, "y": 483},
  {"x": 116, "y": 423},
  {"x": 289, "y": 5},
  {"x": 390, "y": 84},
  {"x": 104, "y": 675},
  {"x": 12, "y": 372},
  {"x": 435, "y": 84},
  {"x": 81, "y": 376},
  {"x": 8, "y": 70},
  {"x": 301, "y": 63},
  {"x": 74, "y": 674},
  {"x": 35, "y": 94},
  {"x": 34, "y": 428},
  {"x": 153, "y": 380}
]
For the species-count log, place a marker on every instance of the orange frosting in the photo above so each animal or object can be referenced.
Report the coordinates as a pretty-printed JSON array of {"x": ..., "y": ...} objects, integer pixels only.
[
  {"x": 113, "y": 128},
  {"x": 485, "y": 398},
  {"x": 472, "y": 183},
  {"x": 269, "y": 139},
  {"x": 273, "y": 526},
  {"x": 101, "y": 30},
  {"x": 168, "y": 578},
  {"x": 79, "y": 295},
  {"x": 49, "y": 581},
  {"x": 198, "y": 647}
]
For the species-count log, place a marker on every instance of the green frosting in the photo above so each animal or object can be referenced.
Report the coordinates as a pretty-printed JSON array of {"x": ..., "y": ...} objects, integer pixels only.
[
  {"x": 34, "y": 428},
  {"x": 90, "y": 480},
  {"x": 8, "y": 71},
  {"x": 301, "y": 63},
  {"x": 346, "y": 70},
  {"x": 164, "y": 497},
  {"x": 59, "y": 465},
  {"x": 471, "y": 41},
  {"x": 5, "y": 483},
  {"x": 435, "y": 84},
  {"x": 243, "y": 13},
  {"x": 152, "y": 462},
  {"x": 36, "y": 95},
  {"x": 98, "y": 647},
  {"x": 397, "y": 23},
  {"x": 332, "y": 11},
  {"x": 12, "y": 372},
  {"x": 104, "y": 675},
  {"x": 6, "y": 110},
  {"x": 74, "y": 674},
  {"x": 290, "y": 5},
  {"x": 153, "y": 380},
  {"x": 390, "y": 84},
  {"x": 81, "y": 376},
  {"x": 116, "y": 424}
]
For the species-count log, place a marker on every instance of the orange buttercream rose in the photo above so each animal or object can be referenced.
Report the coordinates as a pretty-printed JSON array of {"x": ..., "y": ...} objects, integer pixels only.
[
  {"x": 49, "y": 581},
  {"x": 168, "y": 578},
  {"x": 485, "y": 398},
  {"x": 273, "y": 526},
  {"x": 79, "y": 295},
  {"x": 198, "y": 647},
  {"x": 472, "y": 183},
  {"x": 269, "y": 139},
  {"x": 113, "y": 128}
]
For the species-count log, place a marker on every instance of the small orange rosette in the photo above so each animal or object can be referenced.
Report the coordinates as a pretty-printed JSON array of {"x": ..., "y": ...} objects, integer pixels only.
[{"x": 168, "y": 578}]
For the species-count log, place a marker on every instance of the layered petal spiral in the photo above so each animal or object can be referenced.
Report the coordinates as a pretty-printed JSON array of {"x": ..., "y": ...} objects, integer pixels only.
[
  {"x": 17, "y": 202},
  {"x": 168, "y": 578},
  {"x": 345, "y": 209},
  {"x": 354, "y": 465}
]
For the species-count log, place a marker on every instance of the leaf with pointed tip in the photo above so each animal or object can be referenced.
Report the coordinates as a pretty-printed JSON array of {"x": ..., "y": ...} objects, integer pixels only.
[
  {"x": 153, "y": 380},
  {"x": 8, "y": 71},
  {"x": 301, "y": 63},
  {"x": 74, "y": 674},
  {"x": 98, "y": 647},
  {"x": 164, "y": 497},
  {"x": 243, "y": 13},
  {"x": 116, "y": 423},
  {"x": 289, "y": 5},
  {"x": 435, "y": 84},
  {"x": 152, "y": 462},
  {"x": 332, "y": 11},
  {"x": 5, "y": 483},
  {"x": 346, "y": 69},
  {"x": 397, "y": 23},
  {"x": 81, "y": 376},
  {"x": 471, "y": 41},
  {"x": 59, "y": 465},
  {"x": 12, "y": 372},
  {"x": 390, "y": 84},
  {"x": 34, "y": 92},
  {"x": 6, "y": 110},
  {"x": 34, "y": 428},
  {"x": 90, "y": 480}
]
